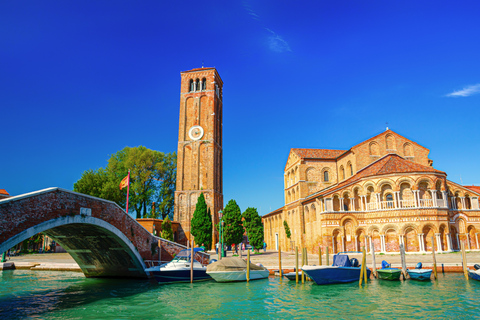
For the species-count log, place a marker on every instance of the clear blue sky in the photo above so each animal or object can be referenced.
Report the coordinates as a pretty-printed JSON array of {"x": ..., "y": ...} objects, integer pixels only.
[{"x": 80, "y": 80}]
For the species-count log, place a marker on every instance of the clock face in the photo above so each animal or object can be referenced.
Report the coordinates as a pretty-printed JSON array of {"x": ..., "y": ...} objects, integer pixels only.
[{"x": 195, "y": 132}]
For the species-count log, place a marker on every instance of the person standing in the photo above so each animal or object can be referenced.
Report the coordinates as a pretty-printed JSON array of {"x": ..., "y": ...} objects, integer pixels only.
[
  {"x": 264, "y": 246},
  {"x": 217, "y": 245}
]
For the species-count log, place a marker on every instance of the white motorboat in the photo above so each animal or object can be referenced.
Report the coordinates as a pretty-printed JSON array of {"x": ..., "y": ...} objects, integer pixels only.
[
  {"x": 178, "y": 270},
  {"x": 231, "y": 269}
]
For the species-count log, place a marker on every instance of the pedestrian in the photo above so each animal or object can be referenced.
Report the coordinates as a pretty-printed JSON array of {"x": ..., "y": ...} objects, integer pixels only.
[
  {"x": 264, "y": 246},
  {"x": 202, "y": 247},
  {"x": 217, "y": 245}
]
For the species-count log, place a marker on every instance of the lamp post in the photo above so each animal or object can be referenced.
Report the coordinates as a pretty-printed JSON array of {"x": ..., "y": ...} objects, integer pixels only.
[{"x": 220, "y": 214}]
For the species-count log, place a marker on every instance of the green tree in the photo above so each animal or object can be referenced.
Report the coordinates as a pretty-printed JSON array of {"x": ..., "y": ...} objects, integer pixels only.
[
  {"x": 167, "y": 232},
  {"x": 152, "y": 178},
  {"x": 201, "y": 223},
  {"x": 254, "y": 227},
  {"x": 233, "y": 227},
  {"x": 287, "y": 229}
]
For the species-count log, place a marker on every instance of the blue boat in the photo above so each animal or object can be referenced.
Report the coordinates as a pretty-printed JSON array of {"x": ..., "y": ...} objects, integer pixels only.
[
  {"x": 475, "y": 275},
  {"x": 419, "y": 274},
  {"x": 341, "y": 271},
  {"x": 178, "y": 270}
]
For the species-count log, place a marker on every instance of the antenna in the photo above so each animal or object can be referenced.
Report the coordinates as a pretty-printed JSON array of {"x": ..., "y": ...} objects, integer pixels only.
[{"x": 202, "y": 63}]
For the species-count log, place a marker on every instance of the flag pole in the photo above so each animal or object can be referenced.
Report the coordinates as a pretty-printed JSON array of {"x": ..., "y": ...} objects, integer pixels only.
[{"x": 128, "y": 188}]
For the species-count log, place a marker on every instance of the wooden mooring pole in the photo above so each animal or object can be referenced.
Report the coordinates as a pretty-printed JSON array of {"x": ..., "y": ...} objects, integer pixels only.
[
  {"x": 319, "y": 255},
  {"x": 404, "y": 263},
  {"x": 374, "y": 264},
  {"x": 248, "y": 266},
  {"x": 326, "y": 253},
  {"x": 296, "y": 264},
  {"x": 280, "y": 262},
  {"x": 434, "y": 259},
  {"x": 464, "y": 260},
  {"x": 363, "y": 269},
  {"x": 191, "y": 262},
  {"x": 303, "y": 263}
]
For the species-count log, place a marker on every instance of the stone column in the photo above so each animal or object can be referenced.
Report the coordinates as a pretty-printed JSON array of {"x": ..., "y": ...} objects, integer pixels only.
[
  {"x": 341, "y": 204},
  {"x": 352, "y": 204},
  {"x": 476, "y": 239},
  {"x": 356, "y": 243},
  {"x": 467, "y": 238},
  {"x": 382, "y": 243},
  {"x": 420, "y": 242},
  {"x": 343, "y": 244},
  {"x": 463, "y": 203},
  {"x": 439, "y": 242},
  {"x": 361, "y": 203},
  {"x": 415, "y": 198},
  {"x": 458, "y": 241},
  {"x": 434, "y": 198},
  {"x": 445, "y": 198},
  {"x": 449, "y": 242},
  {"x": 333, "y": 244}
]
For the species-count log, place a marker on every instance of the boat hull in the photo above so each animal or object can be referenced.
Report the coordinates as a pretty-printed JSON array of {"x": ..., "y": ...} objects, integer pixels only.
[
  {"x": 391, "y": 274},
  {"x": 420, "y": 274},
  {"x": 234, "y": 276},
  {"x": 333, "y": 274},
  {"x": 182, "y": 275},
  {"x": 475, "y": 275},
  {"x": 292, "y": 275}
]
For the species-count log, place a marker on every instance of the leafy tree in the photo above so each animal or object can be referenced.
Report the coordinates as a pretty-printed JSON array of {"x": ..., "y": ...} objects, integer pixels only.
[
  {"x": 167, "y": 232},
  {"x": 254, "y": 227},
  {"x": 152, "y": 178},
  {"x": 201, "y": 223},
  {"x": 287, "y": 229},
  {"x": 233, "y": 227}
]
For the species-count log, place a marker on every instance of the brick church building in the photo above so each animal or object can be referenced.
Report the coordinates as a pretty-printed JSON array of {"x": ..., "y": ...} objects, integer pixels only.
[{"x": 383, "y": 191}]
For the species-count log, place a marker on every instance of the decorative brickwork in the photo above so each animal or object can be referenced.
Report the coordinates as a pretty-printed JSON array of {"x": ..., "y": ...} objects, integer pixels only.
[{"x": 383, "y": 191}]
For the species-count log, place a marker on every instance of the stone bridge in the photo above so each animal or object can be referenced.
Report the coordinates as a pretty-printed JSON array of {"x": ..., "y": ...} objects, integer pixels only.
[{"x": 98, "y": 234}]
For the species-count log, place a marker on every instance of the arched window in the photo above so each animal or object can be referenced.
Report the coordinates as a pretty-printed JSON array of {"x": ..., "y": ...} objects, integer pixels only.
[
  {"x": 389, "y": 197},
  {"x": 351, "y": 169},
  {"x": 325, "y": 176},
  {"x": 192, "y": 86},
  {"x": 204, "y": 84},
  {"x": 197, "y": 87},
  {"x": 342, "y": 172}
]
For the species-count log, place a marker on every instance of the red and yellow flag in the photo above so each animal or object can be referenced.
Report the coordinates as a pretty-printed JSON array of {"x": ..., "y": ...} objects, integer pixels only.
[{"x": 125, "y": 181}]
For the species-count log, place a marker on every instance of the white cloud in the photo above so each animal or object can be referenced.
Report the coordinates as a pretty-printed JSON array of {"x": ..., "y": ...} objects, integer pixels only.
[
  {"x": 465, "y": 92},
  {"x": 277, "y": 43}
]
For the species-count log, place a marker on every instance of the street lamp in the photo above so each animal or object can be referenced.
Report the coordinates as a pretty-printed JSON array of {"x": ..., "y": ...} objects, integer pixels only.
[{"x": 220, "y": 214}]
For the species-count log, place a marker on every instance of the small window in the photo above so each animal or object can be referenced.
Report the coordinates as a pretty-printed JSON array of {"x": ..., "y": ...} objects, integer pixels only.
[
  {"x": 192, "y": 86},
  {"x": 204, "y": 84},
  {"x": 197, "y": 87},
  {"x": 325, "y": 176},
  {"x": 351, "y": 169},
  {"x": 389, "y": 197}
]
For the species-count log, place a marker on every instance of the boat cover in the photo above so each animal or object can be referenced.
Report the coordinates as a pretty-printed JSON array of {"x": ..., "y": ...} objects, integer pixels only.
[
  {"x": 341, "y": 260},
  {"x": 232, "y": 264}
]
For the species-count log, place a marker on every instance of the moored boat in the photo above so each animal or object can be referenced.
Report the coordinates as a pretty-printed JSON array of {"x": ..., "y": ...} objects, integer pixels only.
[
  {"x": 388, "y": 273},
  {"x": 291, "y": 275},
  {"x": 341, "y": 271},
  {"x": 231, "y": 269},
  {"x": 419, "y": 274},
  {"x": 178, "y": 270},
  {"x": 475, "y": 274}
]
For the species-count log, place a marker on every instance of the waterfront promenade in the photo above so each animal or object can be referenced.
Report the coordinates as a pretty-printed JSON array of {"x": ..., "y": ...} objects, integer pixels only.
[{"x": 451, "y": 261}]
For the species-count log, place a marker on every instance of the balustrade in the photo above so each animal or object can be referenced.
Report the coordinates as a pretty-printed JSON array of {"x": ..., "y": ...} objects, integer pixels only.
[{"x": 426, "y": 202}]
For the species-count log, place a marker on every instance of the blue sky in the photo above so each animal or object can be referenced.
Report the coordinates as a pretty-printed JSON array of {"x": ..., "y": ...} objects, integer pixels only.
[{"x": 80, "y": 80}]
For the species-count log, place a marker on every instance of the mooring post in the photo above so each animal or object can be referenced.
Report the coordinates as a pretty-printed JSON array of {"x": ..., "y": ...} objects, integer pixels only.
[
  {"x": 306, "y": 263},
  {"x": 363, "y": 267},
  {"x": 464, "y": 260},
  {"x": 303, "y": 263},
  {"x": 296, "y": 264},
  {"x": 280, "y": 261},
  {"x": 374, "y": 264},
  {"x": 248, "y": 266},
  {"x": 319, "y": 255},
  {"x": 191, "y": 262},
  {"x": 434, "y": 260},
  {"x": 3, "y": 257},
  {"x": 365, "y": 273},
  {"x": 327, "y": 257},
  {"x": 404, "y": 263}
]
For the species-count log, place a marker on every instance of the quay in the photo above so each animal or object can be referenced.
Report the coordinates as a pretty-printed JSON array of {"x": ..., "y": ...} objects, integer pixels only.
[{"x": 450, "y": 262}]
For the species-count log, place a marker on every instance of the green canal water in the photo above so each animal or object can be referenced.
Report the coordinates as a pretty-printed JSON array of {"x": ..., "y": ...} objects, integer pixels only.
[{"x": 69, "y": 295}]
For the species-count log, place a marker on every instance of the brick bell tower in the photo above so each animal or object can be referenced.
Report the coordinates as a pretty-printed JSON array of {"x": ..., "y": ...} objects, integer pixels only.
[{"x": 199, "y": 155}]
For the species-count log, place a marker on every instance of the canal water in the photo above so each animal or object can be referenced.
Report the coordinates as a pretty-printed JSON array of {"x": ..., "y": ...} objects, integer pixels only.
[{"x": 69, "y": 295}]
